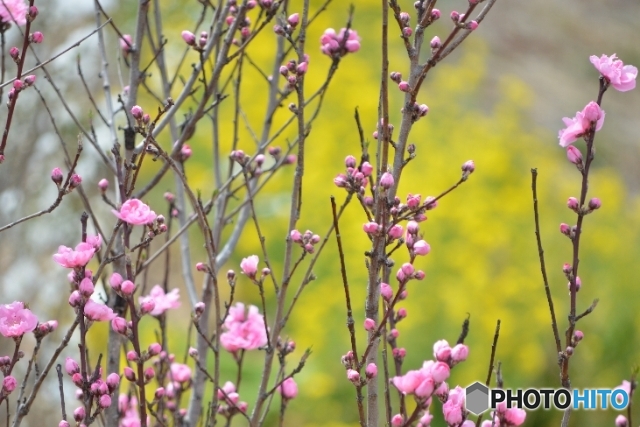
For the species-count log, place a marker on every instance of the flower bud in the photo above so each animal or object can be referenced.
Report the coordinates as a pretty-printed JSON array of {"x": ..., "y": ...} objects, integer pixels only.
[{"x": 56, "y": 176}]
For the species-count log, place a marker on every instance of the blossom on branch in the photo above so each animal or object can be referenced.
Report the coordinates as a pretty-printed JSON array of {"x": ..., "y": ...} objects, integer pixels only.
[
  {"x": 339, "y": 44},
  {"x": 243, "y": 332},
  {"x": 134, "y": 212},
  {"x": 16, "y": 320},
  {"x": 13, "y": 11},
  {"x": 74, "y": 258},
  {"x": 581, "y": 124},
  {"x": 163, "y": 302},
  {"x": 621, "y": 77}
]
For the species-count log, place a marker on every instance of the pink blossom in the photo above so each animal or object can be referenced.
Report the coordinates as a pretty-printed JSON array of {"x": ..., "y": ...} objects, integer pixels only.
[
  {"x": 70, "y": 258},
  {"x": 13, "y": 11},
  {"x": 94, "y": 241},
  {"x": 408, "y": 382},
  {"x": 16, "y": 320},
  {"x": 621, "y": 77},
  {"x": 9, "y": 384},
  {"x": 163, "y": 302},
  {"x": 249, "y": 265},
  {"x": 514, "y": 416},
  {"x": 442, "y": 350},
  {"x": 243, "y": 332},
  {"x": 459, "y": 353},
  {"x": 134, "y": 212},
  {"x": 421, "y": 247},
  {"x": 180, "y": 373},
  {"x": 453, "y": 407},
  {"x": 288, "y": 389},
  {"x": 581, "y": 123},
  {"x": 126, "y": 44},
  {"x": 98, "y": 312}
]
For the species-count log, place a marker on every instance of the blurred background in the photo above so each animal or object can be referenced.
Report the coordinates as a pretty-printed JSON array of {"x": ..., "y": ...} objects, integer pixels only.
[{"x": 499, "y": 100}]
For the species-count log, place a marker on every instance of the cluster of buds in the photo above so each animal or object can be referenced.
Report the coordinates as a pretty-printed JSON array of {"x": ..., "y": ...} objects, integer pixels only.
[
  {"x": 253, "y": 168},
  {"x": 19, "y": 86},
  {"x": 389, "y": 126},
  {"x": 414, "y": 241},
  {"x": 349, "y": 362},
  {"x": 404, "y": 18},
  {"x": 293, "y": 71},
  {"x": 442, "y": 352},
  {"x": 567, "y": 269},
  {"x": 574, "y": 205},
  {"x": 284, "y": 347},
  {"x": 568, "y": 230},
  {"x": 417, "y": 111},
  {"x": 100, "y": 391},
  {"x": 5, "y": 363},
  {"x": 45, "y": 329},
  {"x": 356, "y": 178},
  {"x": 337, "y": 45},
  {"x": 276, "y": 153},
  {"x": 243, "y": 24},
  {"x": 58, "y": 177},
  {"x": 287, "y": 28},
  {"x": 230, "y": 401},
  {"x": 407, "y": 272},
  {"x": 142, "y": 119},
  {"x": 458, "y": 19},
  {"x": 306, "y": 241},
  {"x": 190, "y": 39}
]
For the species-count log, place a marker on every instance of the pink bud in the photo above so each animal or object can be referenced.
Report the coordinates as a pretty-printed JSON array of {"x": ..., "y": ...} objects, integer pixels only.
[
  {"x": 386, "y": 291},
  {"x": 113, "y": 380},
  {"x": 147, "y": 306},
  {"x": 115, "y": 281},
  {"x": 154, "y": 349},
  {"x": 132, "y": 356},
  {"x": 396, "y": 231},
  {"x": 149, "y": 374},
  {"x": 397, "y": 420},
  {"x": 14, "y": 52},
  {"x": 353, "y": 376},
  {"x": 459, "y": 353},
  {"x": 407, "y": 32},
  {"x": 455, "y": 16},
  {"x": 288, "y": 389},
  {"x": 119, "y": 325},
  {"x": 435, "y": 14},
  {"x": 9, "y": 384},
  {"x": 594, "y": 203},
  {"x": 127, "y": 288},
  {"x": 386, "y": 181},
  {"x": 472, "y": 25},
  {"x": 199, "y": 308},
  {"x": 29, "y": 80},
  {"x": 565, "y": 229},
  {"x": 103, "y": 184},
  {"x": 574, "y": 155},
  {"x": 37, "y": 37},
  {"x": 79, "y": 414},
  {"x": 366, "y": 169},
  {"x": 77, "y": 379},
  {"x": 578, "y": 336},
  {"x": 129, "y": 374},
  {"x": 160, "y": 392},
  {"x": 407, "y": 269},
  {"x": 75, "y": 181},
  {"x": 63, "y": 423},
  {"x": 86, "y": 287},
  {"x": 621, "y": 421},
  {"x": 126, "y": 44},
  {"x": 404, "y": 86},
  {"x": 421, "y": 247},
  {"x": 371, "y": 227},
  {"x": 189, "y": 38},
  {"x": 294, "y": 19},
  {"x": 136, "y": 112},
  {"x": 402, "y": 313},
  {"x": 56, "y": 176},
  {"x": 105, "y": 401},
  {"x": 371, "y": 370},
  {"x": 435, "y": 42},
  {"x": 369, "y": 324},
  {"x": 572, "y": 203},
  {"x": 75, "y": 299},
  {"x": 468, "y": 167}
]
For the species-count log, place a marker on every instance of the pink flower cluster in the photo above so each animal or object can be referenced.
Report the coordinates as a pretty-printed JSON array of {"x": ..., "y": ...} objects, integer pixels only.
[
  {"x": 243, "y": 332},
  {"x": 134, "y": 212},
  {"x": 339, "y": 44},
  {"x": 425, "y": 381},
  {"x": 16, "y": 320}
]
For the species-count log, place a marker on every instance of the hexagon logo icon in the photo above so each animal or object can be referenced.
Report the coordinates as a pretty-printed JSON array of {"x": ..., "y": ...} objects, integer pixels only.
[{"x": 477, "y": 398}]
